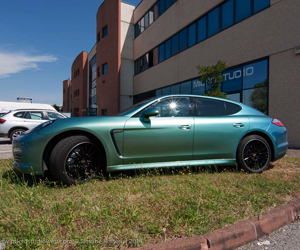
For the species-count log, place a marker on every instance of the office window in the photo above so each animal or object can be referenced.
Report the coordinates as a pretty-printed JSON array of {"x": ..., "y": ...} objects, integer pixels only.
[
  {"x": 155, "y": 56},
  {"x": 161, "y": 53},
  {"x": 146, "y": 20},
  {"x": 261, "y": 5},
  {"x": 104, "y": 32},
  {"x": 192, "y": 35},
  {"x": 213, "y": 22},
  {"x": 198, "y": 87},
  {"x": 166, "y": 91},
  {"x": 158, "y": 92},
  {"x": 256, "y": 74},
  {"x": 142, "y": 23},
  {"x": 257, "y": 98},
  {"x": 151, "y": 59},
  {"x": 243, "y": 9},
  {"x": 227, "y": 14},
  {"x": 98, "y": 72},
  {"x": 175, "y": 89},
  {"x": 232, "y": 80},
  {"x": 168, "y": 4},
  {"x": 151, "y": 15},
  {"x": 183, "y": 43},
  {"x": 175, "y": 45},
  {"x": 104, "y": 112},
  {"x": 168, "y": 49},
  {"x": 104, "y": 69},
  {"x": 186, "y": 88},
  {"x": 202, "y": 29},
  {"x": 98, "y": 37},
  {"x": 162, "y": 6},
  {"x": 156, "y": 10},
  {"x": 137, "y": 30}
]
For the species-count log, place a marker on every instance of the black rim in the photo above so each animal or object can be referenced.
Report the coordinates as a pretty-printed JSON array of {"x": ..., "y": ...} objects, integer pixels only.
[
  {"x": 82, "y": 162},
  {"x": 256, "y": 155}
]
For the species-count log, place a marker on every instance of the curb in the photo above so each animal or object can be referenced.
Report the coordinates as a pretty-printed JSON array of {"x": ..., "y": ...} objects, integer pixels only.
[{"x": 238, "y": 234}]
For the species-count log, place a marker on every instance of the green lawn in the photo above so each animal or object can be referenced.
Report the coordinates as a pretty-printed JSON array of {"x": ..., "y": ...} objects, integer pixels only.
[{"x": 135, "y": 209}]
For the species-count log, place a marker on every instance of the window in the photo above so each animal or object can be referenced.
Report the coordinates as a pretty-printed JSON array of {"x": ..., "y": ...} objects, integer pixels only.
[
  {"x": 168, "y": 49},
  {"x": 19, "y": 114},
  {"x": 210, "y": 107},
  {"x": 198, "y": 87},
  {"x": 166, "y": 91},
  {"x": 151, "y": 15},
  {"x": 192, "y": 35},
  {"x": 54, "y": 116},
  {"x": 171, "y": 107},
  {"x": 36, "y": 115},
  {"x": 175, "y": 89},
  {"x": 104, "y": 112},
  {"x": 232, "y": 80},
  {"x": 98, "y": 37},
  {"x": 234, "y": 97},
  {"x": 213, "y": 22},
  {"x": 202, "y": 29},
  {"x": 158, "y": 92},
  {"x": 146, "y": 20},
  {"x": 168, "y": 4},
  {"x": 183, "y": 43},
  {"x": 161, "y": 53},
  {"x": 227, "y": 14},
  {"x": 162, "y": 6},
  {"x": 175, "y": 45},
  {"x": 98, "y": 71},
  {"x": 243, "y": 9},
  {"x": 142, "y": 24},
  {"x": 151, "y": 59},
  {"x": 186, "y": 88},
  {"x": 104, "y": 32},
  {"x": 261, "y": 5},
  {"x": 137, "y": 30},
  {"x": 104, "y": 69},
  {"x": 256, "y": 74},
  {"x": 156, "y": 10}
]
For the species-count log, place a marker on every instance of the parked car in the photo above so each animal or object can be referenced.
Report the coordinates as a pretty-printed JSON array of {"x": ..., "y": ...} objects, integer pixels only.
[
  {"x": 3, "y": 113},
  {"x": 175, "y": 130},
  {"x": 14, "y": 123}
]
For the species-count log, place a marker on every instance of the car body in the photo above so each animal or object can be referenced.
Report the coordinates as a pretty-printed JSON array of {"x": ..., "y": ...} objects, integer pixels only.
[
  {"x": 16, "y": 122},
  {"x": 2, "y": 114},
  {"x": 169, "y": 131}
]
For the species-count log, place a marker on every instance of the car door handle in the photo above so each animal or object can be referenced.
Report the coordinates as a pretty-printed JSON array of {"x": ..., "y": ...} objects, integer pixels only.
[
  {"x": 238, "y": 125},
  {"x": 185, "y": 127}
]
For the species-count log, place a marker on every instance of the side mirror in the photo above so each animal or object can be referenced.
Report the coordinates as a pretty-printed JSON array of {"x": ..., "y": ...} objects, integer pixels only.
[{"x": 150, "y": 112}]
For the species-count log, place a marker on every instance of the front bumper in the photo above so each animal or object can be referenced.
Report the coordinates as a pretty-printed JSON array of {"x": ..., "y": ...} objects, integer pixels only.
[{"x": 28, "y": 153}]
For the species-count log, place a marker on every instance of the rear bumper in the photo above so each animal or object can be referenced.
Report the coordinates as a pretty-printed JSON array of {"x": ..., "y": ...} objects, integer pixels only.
[{"x": 281, "y": 151}]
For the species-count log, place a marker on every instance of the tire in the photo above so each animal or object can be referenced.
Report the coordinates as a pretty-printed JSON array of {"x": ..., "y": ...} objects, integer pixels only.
[
  {"x": 15, "y": 133},
  {"x": 254, "y": 154},
  {"x": 76, "y": 159}
]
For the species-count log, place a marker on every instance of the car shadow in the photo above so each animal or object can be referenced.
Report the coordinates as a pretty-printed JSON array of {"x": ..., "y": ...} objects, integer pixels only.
[{"x": 5, "y": 142}]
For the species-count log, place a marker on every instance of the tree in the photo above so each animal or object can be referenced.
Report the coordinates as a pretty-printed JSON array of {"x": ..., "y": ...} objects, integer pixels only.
[
  {"x": 212, "y": 75},
  {"x": 258, "y": 97}
]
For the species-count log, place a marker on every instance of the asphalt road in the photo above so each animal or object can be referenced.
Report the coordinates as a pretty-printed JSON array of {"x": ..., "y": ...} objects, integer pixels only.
[
  {"x": 5, "y": 149},
  {"x": 286, "y": 238}
]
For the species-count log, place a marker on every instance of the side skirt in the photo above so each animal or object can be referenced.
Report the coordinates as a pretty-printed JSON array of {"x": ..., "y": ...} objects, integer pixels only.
[{"x": 227, "y": 162}]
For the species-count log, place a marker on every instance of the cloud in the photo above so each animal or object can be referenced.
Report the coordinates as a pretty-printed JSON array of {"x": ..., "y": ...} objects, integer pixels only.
[{"x": 12, "y": 63}]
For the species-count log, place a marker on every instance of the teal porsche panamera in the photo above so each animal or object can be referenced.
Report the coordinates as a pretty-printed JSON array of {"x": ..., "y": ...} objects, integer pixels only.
[{"x": 168, "y": 131}]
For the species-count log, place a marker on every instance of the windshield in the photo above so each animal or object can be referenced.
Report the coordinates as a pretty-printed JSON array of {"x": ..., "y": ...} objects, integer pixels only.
[{"x": 135, "y": 107}]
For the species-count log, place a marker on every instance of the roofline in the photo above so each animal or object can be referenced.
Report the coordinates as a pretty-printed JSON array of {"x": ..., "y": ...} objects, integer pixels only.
[{"x": 78, "y": 56}]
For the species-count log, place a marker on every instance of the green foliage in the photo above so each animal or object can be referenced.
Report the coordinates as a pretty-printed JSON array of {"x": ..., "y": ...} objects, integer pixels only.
[
  {"x": 258, "y": 97},
  {"x": 212, "y": 75}
]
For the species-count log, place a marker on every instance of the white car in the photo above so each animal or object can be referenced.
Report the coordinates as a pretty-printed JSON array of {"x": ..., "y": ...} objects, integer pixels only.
[{"x": 16, "y": 122}]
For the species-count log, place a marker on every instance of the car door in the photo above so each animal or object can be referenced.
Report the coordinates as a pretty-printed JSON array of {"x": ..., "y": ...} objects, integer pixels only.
[
  {"x": 218, "y": 129},
  {"x": 33, "y": 118},
  {"x": 167, "y": 137}
]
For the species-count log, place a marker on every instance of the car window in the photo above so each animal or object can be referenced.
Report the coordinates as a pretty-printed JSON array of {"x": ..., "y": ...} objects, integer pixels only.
[
  {"x": 19, "y": 114},
  {"x": 171, "y": 107},
  {"x": 35, "y": 115},
  {"x": 54, "y": 116},
  {"x": 211, "y": 107}
]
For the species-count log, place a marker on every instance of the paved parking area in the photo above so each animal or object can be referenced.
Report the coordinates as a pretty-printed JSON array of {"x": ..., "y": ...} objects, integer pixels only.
[{"x": 5, "y": 149}]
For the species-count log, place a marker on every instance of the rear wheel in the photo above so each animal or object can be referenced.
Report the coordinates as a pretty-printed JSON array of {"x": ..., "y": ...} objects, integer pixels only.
[
  {"x": 15, "y": 133},
  {"x": 254, "y": 154},
  {"x": 75, "y": 160}
]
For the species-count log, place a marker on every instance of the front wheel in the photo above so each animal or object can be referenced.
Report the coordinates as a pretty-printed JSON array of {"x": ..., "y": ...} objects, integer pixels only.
[
  {"x": 75, "y": 160},
  {"x": 254, "y": 154}
]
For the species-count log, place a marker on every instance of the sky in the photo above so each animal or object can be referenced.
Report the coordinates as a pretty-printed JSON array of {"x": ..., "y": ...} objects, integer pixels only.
[{"x": 39, "y": 40}]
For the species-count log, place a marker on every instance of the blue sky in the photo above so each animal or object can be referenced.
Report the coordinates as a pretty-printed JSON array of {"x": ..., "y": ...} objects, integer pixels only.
[{"x": 39, "y": 40}]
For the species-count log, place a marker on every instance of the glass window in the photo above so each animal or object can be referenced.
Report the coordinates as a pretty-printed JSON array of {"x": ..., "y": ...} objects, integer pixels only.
[
  {"x": 35, "y": 115},
  {"x": 158, "y": 92},
  {"x": 142, "y": 24},
  {"x": 209, "y": 107},
  {"x": 198, "y": 87},
  {"x": 243, "y": 9},
  {"x": 234, "y": 97},
  {"x": 54, "y": 116},
  {"x": 104, "y": 32},
  {"x": 168, "y": 48},
  {"x": 162, "y": 6},
  {"x": 166, "y": 91},
  {"x": 104, "y": 69},
  {"x": 202, "y": 29},
  {"x": 213, "y": 22},
  {"x": 175, "y": 45},
  {"x": 136, "y": 30},
  {"x": 192, "y": 35},
  {"x": 183, "y": 43},
  {"x": 257, "y": 98},
  {"x": 146, "y": 20},
  {"x": 261, "y": 5},
  {"x": 186, "y": 88},
  {"x": 156, "y": 10},
  {"x": 151, "y": 15},
  {"x": 256, "y": 74},
  {"x": 227, "y": 14},
  {"x": 19, "y": 114},
  {"x": 175, "y": 89},
  {"x": 232, "y": 80},
  {"x": 171, "y": 107},
  {"x": 168, "y": 4},
  {"x": 161, "y": 53},
  {"x": 151, "y": 59}
]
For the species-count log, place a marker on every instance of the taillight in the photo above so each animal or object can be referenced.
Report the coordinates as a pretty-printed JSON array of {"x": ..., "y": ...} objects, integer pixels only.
[
  {"x": 277, "y": 123},
  {"x": 2, "y": 121}
]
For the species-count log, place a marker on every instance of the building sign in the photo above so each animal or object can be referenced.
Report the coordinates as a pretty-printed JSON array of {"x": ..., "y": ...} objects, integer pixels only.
[
  {"x": 24, "y": 99},
  {"x": 249, "y": 71}
]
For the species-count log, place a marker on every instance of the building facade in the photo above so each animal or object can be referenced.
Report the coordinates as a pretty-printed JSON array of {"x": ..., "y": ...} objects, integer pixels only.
[{"x": 153, "y": 50}]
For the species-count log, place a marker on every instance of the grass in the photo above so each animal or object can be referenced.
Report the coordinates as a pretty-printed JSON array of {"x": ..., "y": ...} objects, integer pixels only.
[{"x": 136, "y": 209}]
